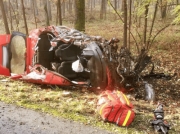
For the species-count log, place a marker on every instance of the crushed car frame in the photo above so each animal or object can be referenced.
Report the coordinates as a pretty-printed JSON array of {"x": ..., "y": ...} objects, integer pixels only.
[{"x": 59, "y": 55}]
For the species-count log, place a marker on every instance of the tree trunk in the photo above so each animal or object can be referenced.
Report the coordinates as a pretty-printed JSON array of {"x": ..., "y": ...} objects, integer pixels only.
[
  {"x": 115, "y": 7},
  {"x": 17, "y": 12},
  {"x": 4, "y": 17},
  {"x": 80, "y": 15},
  {"x": 130, "y": 3},
  {"x": 36, "y": 7},
  {"x": 145, "y": 22},
  {"x": 152, "y": 25},
  {"x": 46, "y": 14},
  {"x": 17, "y": 28},
  {"x": 10, "y": 16},
  {"x": 24, "y": 17},
  {"x": 125, "y": 24},
  {"x": 34, "y": 12},
  {"x": 49, "y": 9},
  {"x": 102, "y": 9},
  {"x": 163, "y": 8},
  {"x": 115, "y": 4},
  {"x": 70, "y": 6},
  {"x": 91, "y": 6},
  {"x": 63, "y": 8},
  {"x": 5, "y": 6},
  {"x": 59, "y": 12},
  {"x": 122, "y": 6}
]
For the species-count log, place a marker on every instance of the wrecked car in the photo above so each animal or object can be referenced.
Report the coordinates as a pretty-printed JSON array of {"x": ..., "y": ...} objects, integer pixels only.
[
  {"x": 53, "y": 55},
  {"x": 58, "y": 55}
]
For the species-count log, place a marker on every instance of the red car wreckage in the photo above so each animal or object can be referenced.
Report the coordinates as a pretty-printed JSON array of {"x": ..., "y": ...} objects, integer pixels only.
[
  {"x": 54, "y": 55},
  {"x": 58, "y": 55}
]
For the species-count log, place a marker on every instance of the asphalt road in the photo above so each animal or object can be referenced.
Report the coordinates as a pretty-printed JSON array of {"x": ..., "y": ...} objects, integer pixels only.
[{"x": 18, "y": 120}]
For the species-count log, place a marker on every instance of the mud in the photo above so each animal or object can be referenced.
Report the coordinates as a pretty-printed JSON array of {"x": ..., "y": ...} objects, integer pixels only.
[{"x": 18, "y": 120}]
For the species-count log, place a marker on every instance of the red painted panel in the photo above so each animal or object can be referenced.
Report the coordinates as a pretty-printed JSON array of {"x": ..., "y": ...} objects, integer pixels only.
[
  {"x": 4, "y": 39},
  {"x": 4, "y": 71},
  {"x": 56, "y": 79},
  {"x": 28, "y": 56},
  {"x": 50, "y": 77}
]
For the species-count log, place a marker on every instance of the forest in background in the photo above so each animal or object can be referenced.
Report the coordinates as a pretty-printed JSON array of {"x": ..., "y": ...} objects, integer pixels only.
[{"x": 146, "y": 20}]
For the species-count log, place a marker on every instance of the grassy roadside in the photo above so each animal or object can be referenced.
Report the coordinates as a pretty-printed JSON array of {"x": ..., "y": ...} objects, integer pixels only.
[{"x": 79, "y": 105}]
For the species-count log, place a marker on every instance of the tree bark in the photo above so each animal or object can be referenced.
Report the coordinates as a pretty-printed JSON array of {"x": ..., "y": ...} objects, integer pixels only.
[
  {"x": 163, "y": 8},
  {"x": 145, "y": 22},
  {"x": 4, "y": 17},
  {"x": 152, "y": 25},
  {"x": 70, "y": 6},
  {"x": 36, "y": 7},
  {"x": 34, "y": 12},
  {"x": 17, "y": 10},
  {"x": 122, "y": 6},
  {"x": 115, "y": 6},
  {"x": 63, "y": 8},
  {"x": 80, "y": 15},
  {"x": 10, "y": 16},
  {"x": 15, "y": 17},
  {"x": 24, "y": 17},
  {"x": 130, "y": 3},
  {"x": 125, "y": 24},
  {"x": 91, "y": 6},
  {"x": 102, "y": 9},
  {"x": 59, "y": 12},
  {"x": 49, "y": 9},
  {"x": 46, "y": 13}
]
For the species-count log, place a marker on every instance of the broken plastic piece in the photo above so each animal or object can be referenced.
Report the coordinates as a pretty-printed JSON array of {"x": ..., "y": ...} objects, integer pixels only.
[
  {"x": 77, "y": 66},
  {"x": 150, "y": 94}
]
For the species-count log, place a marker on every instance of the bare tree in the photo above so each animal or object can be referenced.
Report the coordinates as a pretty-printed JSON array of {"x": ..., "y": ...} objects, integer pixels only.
[
  {"x": 59, "y": 12},
  {"x": 34, "y": 12},
  {"x": 46, "y": 13},
  {"x": 130, "y": 3},
  {"x": 80, "y": 15},
  {"x": 17, "y": 26},
  {"x": 49, "y": 9},
  {"x": 125, "y": 23},
  {"x": 63, "y": 8},
  {"x": 24, "y": 17},
  {"x": 145, "y": 22},
  {"x": 4, "y": 17},
  {"x": 163, "y": 8},
  {"x": 152, "y": 25},
  {"x": 102, "y": 9},
  {"x": 70, "y": 6},
  {"x": 10, "y": 17}
]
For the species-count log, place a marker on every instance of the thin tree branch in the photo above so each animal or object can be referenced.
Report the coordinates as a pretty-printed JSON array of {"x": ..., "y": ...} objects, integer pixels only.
[
  {"x": 15, "y": 16},
  {"x": 152, "y": 25},
  {"x": 158, "y": 34},
  {"x": 123, "y": 22},
  {"x": 34, "y": 13}
]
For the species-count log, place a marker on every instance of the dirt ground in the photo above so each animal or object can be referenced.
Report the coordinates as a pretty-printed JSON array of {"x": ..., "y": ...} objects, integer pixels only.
[{"x": 18, "y": 120}]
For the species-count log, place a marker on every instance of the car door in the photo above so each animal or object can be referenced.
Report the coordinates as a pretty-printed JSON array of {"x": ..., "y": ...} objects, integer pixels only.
[{"x": 12, "y": 53}]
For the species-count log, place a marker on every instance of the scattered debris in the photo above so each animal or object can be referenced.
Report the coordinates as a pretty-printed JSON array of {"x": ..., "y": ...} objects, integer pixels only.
[
  {"x": 158, "y": 123},
  {"x": 66, "y": 94}
]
